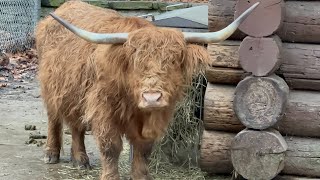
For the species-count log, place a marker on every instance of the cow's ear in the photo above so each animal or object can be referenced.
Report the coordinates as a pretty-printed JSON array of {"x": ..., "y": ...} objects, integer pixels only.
[{"x": 196, "y": 59}]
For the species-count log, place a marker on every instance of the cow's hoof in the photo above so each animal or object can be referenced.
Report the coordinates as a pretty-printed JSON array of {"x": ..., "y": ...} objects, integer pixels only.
[
  {"x": 51, "y": 158},
  {"x": 84, "y": 166},
  {"x": 81, "y": 165}
]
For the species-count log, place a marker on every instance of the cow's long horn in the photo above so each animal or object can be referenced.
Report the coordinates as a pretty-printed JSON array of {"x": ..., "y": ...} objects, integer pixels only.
[
  {"x": 100, "y": 38},
  {"x": 212, "y": 37}
]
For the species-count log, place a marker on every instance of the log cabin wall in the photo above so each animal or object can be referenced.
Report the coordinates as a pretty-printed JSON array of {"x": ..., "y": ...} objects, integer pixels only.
[{"x": 262, "y": 103}]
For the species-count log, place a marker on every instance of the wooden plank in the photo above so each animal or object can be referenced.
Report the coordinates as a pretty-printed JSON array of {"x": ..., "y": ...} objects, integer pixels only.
[{"x": 301, "y": 118}]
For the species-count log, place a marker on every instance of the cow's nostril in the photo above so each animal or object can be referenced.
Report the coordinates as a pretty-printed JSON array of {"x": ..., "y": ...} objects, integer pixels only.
[{"x": 152, "y": 96}]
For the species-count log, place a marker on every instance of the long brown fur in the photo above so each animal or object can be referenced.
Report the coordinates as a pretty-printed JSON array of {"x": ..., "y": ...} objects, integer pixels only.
[{"x": 100, "y": 84}]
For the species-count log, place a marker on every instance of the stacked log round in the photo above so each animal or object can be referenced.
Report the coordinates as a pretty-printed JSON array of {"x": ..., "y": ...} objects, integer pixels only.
[
  {"x": 264, "y": 21},
  {"x": 300, "y": 65},
  {"x": 258, "y": 154},
  {"x": 260, "y": 102},
  {"x": 260, "y": 99},
  {"x": 301, "y": 158},
  {"x": 260, "y": 56},
  {"x": 301, "y": 22},
  {"x": 301, "y": 118},
  {"x": 247, "y": 105}
]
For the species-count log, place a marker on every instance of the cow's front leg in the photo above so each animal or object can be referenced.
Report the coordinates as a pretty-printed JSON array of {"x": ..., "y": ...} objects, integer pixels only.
[
  {"x": 110, "y": 146},
  {"x": 78, "y": 151},
  {"x": 140, "y": 162}
]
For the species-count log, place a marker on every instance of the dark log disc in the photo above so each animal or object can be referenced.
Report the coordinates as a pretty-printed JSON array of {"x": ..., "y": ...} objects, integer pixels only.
[
  {"x": 260, "y": 56},
  {"x": 258, "y": 154},
  {"x": 264, "y": 21},
  {"x": 260, "y": 102}
]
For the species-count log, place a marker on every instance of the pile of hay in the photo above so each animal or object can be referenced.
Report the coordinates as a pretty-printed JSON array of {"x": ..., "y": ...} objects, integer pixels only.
[{"x": 179, "y": 150}]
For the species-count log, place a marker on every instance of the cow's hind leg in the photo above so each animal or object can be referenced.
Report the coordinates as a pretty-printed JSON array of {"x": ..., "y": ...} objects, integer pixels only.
[
  {"x": 53, "y": 145},
  {"x": 79, "y": 156},
  {"x": 141, "y": 154}
]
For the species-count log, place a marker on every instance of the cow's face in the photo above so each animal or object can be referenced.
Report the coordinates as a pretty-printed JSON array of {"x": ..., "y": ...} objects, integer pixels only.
[{"x": 161, "y": 63}]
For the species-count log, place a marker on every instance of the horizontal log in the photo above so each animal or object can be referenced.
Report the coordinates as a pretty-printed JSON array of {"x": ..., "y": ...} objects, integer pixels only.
[
  {"x": 225, "y": 55},
  {"x": 301, "y": 118},
  {"x": 300, "y": 63},
  {"x": 281, "y": 177},
  {"x": 215, "y": 155},
  {"x": 224, "y": 75},
  {"x": 301, "y": 159},
  {"x": 301, "y": 20}
]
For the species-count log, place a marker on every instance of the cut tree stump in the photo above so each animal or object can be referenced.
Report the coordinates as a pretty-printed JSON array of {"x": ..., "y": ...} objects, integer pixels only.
[
  {"x": 260, "y": 102},
  {"x": 301, "y": 159},
  {"x": 300, "y": 65},
  {"x": 301, "y": 118},
  {"x": 258, "y": 154},
  {"x": 260, "y": 56},
  {"x": 301, "y": 22},
  {"x": 264, "y": 21}
]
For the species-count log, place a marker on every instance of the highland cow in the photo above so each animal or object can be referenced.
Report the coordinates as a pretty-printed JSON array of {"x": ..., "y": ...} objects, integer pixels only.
[{"x": 123, "y": 76}]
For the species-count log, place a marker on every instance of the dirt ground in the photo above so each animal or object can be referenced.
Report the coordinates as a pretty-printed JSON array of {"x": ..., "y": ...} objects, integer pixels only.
[{"x": 21, "y": 158}]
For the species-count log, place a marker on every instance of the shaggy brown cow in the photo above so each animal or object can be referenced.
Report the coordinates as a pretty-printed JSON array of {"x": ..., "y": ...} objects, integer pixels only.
[{"x": 120, "y": 83}]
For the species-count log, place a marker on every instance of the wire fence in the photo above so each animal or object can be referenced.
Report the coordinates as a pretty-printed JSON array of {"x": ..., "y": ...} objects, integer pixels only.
[{"x": 18, "y": 19}]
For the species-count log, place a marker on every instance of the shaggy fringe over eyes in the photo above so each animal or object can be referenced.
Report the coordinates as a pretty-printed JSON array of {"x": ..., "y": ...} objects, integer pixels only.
[{"x": 161, "y": 44}]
